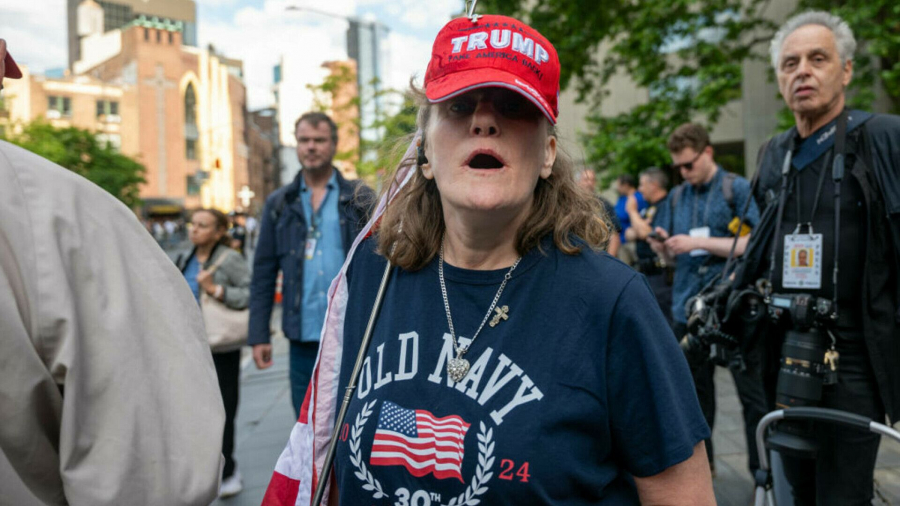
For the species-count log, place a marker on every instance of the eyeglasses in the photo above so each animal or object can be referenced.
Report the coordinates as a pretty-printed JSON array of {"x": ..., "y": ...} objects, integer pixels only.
[{"x": 689, "y": 165}]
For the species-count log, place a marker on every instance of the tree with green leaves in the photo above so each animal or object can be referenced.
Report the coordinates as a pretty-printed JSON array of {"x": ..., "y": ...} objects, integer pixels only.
[
  {"x": 395, "y": 123},
  {"x": 325, "y": 100},
  {"x": 79, "y": 151},
  {"x": 689, "y": 55}
]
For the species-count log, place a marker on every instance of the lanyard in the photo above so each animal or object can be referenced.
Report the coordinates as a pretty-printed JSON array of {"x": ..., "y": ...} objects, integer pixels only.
[
  {"x": 315, "y": 222},
  {"x": 709, "y": 193},
  {"x": 314, "y": 218},
  {"x": 815, "y": 205}
]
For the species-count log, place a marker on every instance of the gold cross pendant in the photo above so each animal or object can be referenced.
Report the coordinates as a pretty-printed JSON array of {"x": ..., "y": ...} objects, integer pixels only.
[{"x": 502, "y": 314}]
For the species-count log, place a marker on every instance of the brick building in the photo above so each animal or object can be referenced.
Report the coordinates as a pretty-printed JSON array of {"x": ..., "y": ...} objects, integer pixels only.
[
  {"x": 190, "y": 107},
  {"x": 264, "y": 170},
  {"x": 177, "y": 109}
]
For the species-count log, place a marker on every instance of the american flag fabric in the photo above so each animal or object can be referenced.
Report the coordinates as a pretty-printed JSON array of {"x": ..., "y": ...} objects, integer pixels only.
[
  {"x": 296, "y": 473},
  {"x": 419, "y": 441}
]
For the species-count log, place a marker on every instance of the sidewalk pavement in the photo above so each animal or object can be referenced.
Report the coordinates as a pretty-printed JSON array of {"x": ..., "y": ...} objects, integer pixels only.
[{"x": 265, "y": 419}]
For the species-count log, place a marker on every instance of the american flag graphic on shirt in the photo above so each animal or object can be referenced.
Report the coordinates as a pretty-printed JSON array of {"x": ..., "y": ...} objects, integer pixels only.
[{"x": 419, "y": 441}]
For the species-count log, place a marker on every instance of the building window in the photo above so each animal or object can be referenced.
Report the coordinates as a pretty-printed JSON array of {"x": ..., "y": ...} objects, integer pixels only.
[
  {"x": 190, "y": 149},
  {"x": 171, "y": 38},
  {"x": 116, "y": 15},
  {"x": 191, "y": 134},
  {"x": 59, "y": 106},
  {"x": 146, "y": 34},
  {"x": 190, "y": 105},
  {"x": 193, "y": 185},
  {"x": 107, "y": 108}
]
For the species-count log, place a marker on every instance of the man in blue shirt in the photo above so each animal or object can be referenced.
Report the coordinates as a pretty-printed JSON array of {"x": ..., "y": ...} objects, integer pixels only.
[
  {"x": 307, "y": 228},
  {"x": 697, "y": 228},
  {"x": 626, "y": 187}
]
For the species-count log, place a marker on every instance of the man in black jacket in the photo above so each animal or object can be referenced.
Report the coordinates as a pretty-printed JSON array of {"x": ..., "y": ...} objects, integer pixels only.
[{"x": 826, "y": 216}]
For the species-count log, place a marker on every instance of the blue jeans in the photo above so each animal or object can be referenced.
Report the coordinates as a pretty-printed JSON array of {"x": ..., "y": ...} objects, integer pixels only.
[{"x": 303, "y": 358}]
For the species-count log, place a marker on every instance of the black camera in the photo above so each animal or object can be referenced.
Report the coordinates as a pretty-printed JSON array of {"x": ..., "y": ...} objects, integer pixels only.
[
  {"x": 718, "y": 317},
  {"x": 717, "y": 320},
  {"x": 806, "y": 362}
]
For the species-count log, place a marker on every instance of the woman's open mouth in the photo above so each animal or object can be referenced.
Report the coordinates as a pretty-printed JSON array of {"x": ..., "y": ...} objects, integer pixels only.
[{"x": 485, "y": 160}]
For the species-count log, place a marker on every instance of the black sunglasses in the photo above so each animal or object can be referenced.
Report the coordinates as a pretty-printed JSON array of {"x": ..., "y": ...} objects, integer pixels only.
[{"x": 688, "y": 165}]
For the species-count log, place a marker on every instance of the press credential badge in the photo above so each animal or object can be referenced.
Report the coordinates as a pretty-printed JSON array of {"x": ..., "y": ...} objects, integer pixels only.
[
  {"x": 310, "y": 249},
  {"x": 802, "y": 261},
  {"x": 702, "y": 232}
]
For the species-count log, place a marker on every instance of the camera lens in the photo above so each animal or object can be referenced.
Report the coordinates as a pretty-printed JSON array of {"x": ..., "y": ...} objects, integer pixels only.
[{"x": 800, "y": 377}]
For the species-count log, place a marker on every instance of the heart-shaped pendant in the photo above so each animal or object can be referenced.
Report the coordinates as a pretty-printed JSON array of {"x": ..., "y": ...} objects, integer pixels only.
[{"x": 457, "y": 368}]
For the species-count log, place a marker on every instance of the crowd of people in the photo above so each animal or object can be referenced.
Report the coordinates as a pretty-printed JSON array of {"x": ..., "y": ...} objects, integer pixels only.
[{"x": 487, "y": 301}]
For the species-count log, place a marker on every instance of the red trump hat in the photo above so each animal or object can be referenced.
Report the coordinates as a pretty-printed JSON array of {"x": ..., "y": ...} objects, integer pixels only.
[
  {"x": 12, "y": 70},
  {"x": 494, "y": 51}
]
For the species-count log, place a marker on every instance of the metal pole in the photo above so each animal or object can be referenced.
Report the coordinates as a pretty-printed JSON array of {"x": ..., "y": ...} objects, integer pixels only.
[
  {"x": 884, "y": 430},
  {"x": 767, "y": 420},
  {"x": 351, "y": 387}
]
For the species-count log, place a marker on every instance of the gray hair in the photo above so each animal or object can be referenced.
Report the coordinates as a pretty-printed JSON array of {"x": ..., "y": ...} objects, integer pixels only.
[
  {"x": 843, "y": 35},
  {"x": 656, "y": 174}
]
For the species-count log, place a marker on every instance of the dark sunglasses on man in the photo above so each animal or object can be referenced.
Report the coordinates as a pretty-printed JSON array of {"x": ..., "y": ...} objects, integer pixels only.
[{"x": 689, "y": 165}]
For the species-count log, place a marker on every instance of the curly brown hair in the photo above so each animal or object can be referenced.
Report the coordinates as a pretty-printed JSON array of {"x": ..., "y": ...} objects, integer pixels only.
[{"x": 412, "y": 228}]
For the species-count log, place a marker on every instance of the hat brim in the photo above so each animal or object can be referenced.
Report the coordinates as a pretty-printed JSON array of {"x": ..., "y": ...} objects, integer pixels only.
[
  {"x": 463, "y": 81},
  {"x": 12, "y": 70}
]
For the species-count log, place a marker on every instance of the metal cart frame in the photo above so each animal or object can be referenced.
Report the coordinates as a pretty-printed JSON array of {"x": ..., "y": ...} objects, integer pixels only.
[{"x": 764, "y": 493}]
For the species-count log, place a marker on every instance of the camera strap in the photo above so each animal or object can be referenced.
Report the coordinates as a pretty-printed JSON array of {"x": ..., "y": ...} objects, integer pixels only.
[
  {"x": 785, "y": 170},
  {"x": 840, "y": 145}
]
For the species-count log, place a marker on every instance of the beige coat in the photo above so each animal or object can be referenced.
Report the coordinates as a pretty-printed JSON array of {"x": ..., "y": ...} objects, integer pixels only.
[{"x": 108, "y": 393}]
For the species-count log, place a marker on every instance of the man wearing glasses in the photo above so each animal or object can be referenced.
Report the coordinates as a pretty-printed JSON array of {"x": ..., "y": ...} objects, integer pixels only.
[{"x": 696, "y": 230}]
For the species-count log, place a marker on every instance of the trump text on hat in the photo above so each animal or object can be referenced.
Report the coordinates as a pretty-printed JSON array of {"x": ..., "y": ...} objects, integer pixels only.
[{"x": 500, "y": 39}]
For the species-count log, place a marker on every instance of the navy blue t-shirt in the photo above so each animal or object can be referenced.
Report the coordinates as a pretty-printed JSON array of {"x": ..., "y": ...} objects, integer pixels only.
[{"x": 580, "y": 388}]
